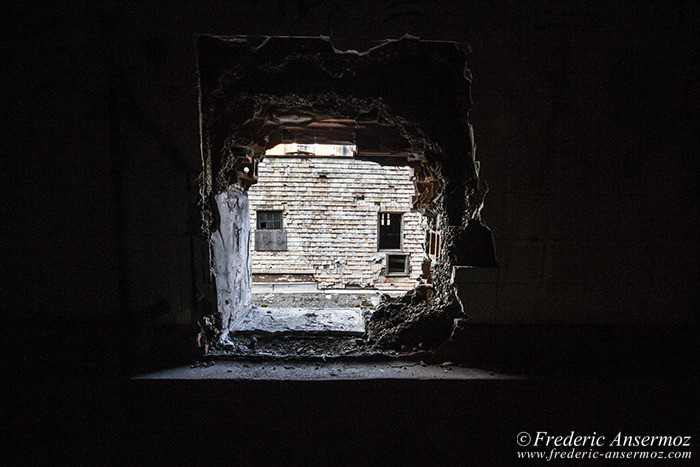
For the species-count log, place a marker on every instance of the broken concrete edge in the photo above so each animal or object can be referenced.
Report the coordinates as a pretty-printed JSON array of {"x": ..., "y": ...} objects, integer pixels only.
[
  {"x": 264, "y": 39},
  {"x": 444, "y": 356},
  {"x": 458, "y": 202},
  {"x": 292, "y": 333},
  {"x": 372, "y": 355},
  {"x": 219, "y": 174}
]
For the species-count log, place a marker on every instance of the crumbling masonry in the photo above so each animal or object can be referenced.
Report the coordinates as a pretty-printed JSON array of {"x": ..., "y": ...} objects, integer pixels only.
[{"x": 403, "y": 102}]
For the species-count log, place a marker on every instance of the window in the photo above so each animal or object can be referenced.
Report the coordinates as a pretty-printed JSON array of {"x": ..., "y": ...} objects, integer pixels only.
[
  {"x": 269, "y": 235},
  {"x": 269, "y": 220},
  {"x": 389, "y": 231},
  {"x": 433, "y": 244},
  {"x": 396, "y": 265}
]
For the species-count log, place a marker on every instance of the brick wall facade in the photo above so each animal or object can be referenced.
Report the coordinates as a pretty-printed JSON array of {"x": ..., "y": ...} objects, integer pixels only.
[{"x": 330, "y": 207}]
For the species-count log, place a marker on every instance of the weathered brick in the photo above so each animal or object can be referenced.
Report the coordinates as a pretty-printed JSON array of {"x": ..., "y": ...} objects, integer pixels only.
[{"x": 331, "y": 222}]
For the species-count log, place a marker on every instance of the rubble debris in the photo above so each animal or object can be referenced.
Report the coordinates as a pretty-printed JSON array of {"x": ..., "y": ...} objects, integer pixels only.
[
  {"x": 315, "y": 300},
  {"x": 209, "y": 331},
  {"x": 427, "y": 187},
  {"x": 240, "y": 168},
  {"x": 203, "y": 364},
  {"x": 418, "y": 294},
  {"x": 296, "y": 346},
  {"x": 429, "y": 322}
]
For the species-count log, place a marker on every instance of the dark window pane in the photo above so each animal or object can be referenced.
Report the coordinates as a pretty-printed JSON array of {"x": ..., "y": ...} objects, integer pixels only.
[
  {"x": 396, "y": 264},
  {"x": 269, "y": 220},
  {"x": 389, "y": 231}
]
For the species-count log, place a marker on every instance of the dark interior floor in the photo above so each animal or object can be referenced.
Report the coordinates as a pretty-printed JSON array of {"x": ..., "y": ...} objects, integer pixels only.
[
  {"x": 319, "y": 370},
  {"x": 348, "y": 421},
  {"x": 81, "y": 404}
]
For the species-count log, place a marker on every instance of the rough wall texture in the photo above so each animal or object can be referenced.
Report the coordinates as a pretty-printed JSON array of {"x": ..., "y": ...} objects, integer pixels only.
[
  {"x": 372, "y": 94},
  {"x": 231, "y": 256},
  {"x": 330, "y": 207},
  {"x": 104, "y": 135}
]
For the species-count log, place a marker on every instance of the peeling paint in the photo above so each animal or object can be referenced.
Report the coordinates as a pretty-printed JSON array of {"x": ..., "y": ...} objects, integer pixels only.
[{"x": 231, "y": 257}]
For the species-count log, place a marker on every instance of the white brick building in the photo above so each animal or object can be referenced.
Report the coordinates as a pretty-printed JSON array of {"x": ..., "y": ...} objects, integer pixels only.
[{"x": 334, "y": 220}]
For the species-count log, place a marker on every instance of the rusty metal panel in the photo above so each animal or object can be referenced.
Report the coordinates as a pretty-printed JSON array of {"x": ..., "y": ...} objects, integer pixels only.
[{"x": 270, "y": 240}]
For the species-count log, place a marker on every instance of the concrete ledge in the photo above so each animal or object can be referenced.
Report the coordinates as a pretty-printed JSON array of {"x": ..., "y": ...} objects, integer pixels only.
[
  {"x": 346, "y": 321},
  {"x": 289, "y": 287}
]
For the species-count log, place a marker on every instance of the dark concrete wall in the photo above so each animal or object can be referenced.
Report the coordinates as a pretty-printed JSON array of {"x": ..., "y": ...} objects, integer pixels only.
[
  {"x": 582, "y": 113},
  {"x": 584, "y": 127}
]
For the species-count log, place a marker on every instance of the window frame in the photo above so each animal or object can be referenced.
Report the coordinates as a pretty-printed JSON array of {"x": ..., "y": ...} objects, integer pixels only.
[
  {"x": 270, "y": 211},
  {"x": 379, "y": 230},
  {"x": 405, "y": 271}
]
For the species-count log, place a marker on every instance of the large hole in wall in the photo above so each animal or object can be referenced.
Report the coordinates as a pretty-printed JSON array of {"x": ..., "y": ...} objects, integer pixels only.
[
  {"x": 332, "y": 238},
  {"x": 266, "y": 103}
]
